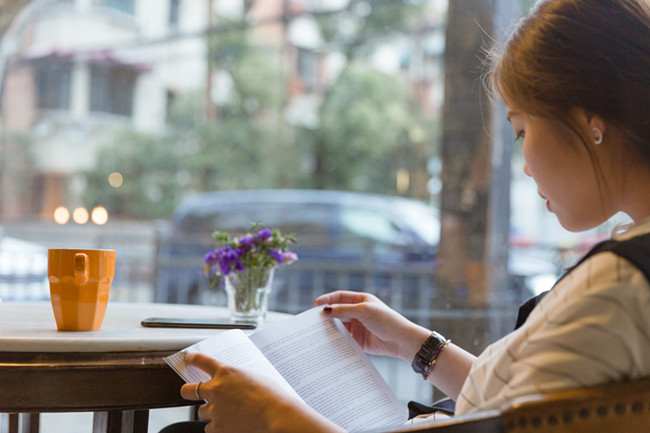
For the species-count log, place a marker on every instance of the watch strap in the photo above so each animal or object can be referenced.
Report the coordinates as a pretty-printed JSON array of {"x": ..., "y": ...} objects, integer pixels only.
[{"x": 425, "y": 357}]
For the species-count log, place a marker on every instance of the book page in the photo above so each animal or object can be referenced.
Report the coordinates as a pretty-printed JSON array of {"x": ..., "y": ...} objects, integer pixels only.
[
  {"x": 230, "y": 347},
  {"x": 328, "y": 369}
]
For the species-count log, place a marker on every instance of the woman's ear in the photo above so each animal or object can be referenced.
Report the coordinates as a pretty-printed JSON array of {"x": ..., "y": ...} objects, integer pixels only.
[
  {"x": 591, "y": 124},
  {"x": 597, "y": 123}
]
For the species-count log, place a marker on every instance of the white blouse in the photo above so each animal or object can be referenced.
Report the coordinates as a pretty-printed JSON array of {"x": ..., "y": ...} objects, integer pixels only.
[{"x": 593, "y": 327}]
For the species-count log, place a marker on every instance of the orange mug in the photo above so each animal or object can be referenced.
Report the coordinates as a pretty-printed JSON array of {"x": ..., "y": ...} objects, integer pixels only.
[{"x": 80, "y": 282}]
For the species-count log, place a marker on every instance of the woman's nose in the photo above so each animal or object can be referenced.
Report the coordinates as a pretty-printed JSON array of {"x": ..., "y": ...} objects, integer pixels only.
[{"x": 527, "y": 171}]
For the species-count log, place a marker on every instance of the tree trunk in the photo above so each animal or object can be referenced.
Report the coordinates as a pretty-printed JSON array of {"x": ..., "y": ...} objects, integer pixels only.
[{"x": 473, "y": 251}]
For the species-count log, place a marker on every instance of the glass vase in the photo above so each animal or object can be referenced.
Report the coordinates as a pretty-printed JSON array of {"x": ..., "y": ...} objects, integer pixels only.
[{"x": 248, "y": 294}]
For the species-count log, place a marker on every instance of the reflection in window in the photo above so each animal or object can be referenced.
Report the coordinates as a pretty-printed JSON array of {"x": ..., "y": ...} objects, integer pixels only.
[
  {"x": 301, "y": 219},
  {"x": 53, "y": 80},
  {"x": 369, "y": 224}
]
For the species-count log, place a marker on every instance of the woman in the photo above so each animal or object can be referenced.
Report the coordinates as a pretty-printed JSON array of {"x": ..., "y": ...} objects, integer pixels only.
[{"x": 575, "y": 76}]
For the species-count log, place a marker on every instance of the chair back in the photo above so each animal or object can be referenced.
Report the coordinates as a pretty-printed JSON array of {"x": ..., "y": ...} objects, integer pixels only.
[{"x": 614, "y": 407}]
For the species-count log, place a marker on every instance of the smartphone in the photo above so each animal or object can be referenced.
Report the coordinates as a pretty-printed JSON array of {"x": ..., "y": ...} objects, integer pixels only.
[{"x": 169, "y": 322}]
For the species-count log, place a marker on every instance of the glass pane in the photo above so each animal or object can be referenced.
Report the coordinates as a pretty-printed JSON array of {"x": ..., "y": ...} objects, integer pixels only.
[{"x": 118, "y": 115}]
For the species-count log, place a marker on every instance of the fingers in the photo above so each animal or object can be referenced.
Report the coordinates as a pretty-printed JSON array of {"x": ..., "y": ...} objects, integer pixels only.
[
  {"x": 204, "y": 412},
  {"x": 350, "y": 311},
  {"x": 192, "y": 391},
  {"x": 343, "y": 297},
  {"x": 203, "y": 362},
  {"x": 189, "y": 391}
]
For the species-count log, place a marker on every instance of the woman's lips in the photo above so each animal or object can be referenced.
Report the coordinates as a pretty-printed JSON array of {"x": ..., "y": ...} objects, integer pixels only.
[{"x": 548, "y": 203}]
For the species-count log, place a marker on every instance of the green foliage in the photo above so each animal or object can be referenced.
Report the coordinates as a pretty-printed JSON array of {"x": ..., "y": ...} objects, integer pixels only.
[
  {"x": 363, "y": 122},
  {"x": 151, "y": 168},
  {"x": 365, "y": 115},
  {"x": 364, "y": 24},
  {"x": 365, "y": 118}
]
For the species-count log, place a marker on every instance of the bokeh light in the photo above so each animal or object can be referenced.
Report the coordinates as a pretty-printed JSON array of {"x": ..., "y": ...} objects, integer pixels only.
[
  {"x": 61, "y": 215},
  {"x": 402, "y": 180},
  {"x": 80, "y": 215},
  {"x": 115, "y": 179},
  {"x": 99, "y": 215}
]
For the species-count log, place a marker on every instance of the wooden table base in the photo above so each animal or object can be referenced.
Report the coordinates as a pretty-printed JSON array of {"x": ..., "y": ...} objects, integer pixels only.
[
  {"x": 119, "y": 387},
  {"x": 24, "y": 423}
]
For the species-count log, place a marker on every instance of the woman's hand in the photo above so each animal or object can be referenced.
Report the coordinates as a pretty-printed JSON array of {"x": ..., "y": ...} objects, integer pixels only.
[
  {"x": 377, "y": 328},
  {"x": 239, "y": 401},
  {"x": 380, "y": 330}
]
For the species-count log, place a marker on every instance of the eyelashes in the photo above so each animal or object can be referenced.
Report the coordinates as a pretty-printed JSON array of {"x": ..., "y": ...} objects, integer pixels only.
[{"x": 519, "y": 139}]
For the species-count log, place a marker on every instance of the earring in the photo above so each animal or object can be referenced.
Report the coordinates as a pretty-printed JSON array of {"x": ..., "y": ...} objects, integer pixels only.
[{"x": 598, "y": 135}]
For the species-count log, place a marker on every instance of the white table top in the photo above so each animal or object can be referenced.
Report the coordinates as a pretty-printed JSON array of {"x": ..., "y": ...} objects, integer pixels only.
[{"x": 30, "y": 327}]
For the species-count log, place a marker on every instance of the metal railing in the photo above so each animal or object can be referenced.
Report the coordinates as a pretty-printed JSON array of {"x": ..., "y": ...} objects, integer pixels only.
[
  {"x": 408, "y": 288},
  {"x": 143, "y": 275}
]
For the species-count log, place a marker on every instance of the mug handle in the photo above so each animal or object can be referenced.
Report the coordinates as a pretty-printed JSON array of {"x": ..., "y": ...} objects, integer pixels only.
[{"x": 81, "y": 268}]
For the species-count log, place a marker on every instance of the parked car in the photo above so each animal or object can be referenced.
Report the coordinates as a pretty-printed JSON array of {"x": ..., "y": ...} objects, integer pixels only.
[
  {"x": 335, "y": 231},
  {"x": 23, "y": 270},
  {"x": 346, "y": 240}
]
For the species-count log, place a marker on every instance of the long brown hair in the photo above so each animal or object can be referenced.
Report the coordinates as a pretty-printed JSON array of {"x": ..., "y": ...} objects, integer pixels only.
[{"x": 590, "y": 54}]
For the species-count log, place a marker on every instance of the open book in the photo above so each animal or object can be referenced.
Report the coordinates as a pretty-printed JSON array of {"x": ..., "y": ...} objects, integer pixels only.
[{"x": 314, "y": 358}]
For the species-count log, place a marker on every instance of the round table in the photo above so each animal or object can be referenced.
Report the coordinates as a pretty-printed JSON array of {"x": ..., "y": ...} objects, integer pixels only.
[{"x": 117, "y": 372}]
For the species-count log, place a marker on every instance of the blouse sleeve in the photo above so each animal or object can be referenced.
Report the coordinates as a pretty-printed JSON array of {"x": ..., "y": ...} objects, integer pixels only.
[{"x": 593, "y": 327}]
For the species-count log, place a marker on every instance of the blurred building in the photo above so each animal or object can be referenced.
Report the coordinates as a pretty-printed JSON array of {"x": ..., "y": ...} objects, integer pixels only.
[{"x": 75, "y": 69}]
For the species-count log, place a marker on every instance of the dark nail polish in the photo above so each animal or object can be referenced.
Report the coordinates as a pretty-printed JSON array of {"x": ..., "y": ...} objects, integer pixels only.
[{"x": 327, "y": 310}]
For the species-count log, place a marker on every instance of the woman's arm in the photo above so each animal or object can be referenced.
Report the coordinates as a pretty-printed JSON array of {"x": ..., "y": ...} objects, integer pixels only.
[
  {"x": 382, "y": 331},
  {"x": 451, "y": 370}
]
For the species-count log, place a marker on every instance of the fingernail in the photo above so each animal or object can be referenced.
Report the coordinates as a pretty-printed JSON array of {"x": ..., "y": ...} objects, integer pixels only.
[{"x": 327, "y": 310}]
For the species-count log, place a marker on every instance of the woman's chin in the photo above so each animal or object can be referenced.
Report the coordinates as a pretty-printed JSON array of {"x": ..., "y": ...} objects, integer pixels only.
[{"x": 576, "y": 226}]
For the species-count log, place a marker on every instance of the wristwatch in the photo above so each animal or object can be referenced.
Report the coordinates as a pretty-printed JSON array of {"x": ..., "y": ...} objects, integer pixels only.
[{"x": 426, "y": 357}]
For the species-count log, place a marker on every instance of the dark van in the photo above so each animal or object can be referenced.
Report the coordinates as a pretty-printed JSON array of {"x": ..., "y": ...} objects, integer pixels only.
[{"x": 345, "y": 240}]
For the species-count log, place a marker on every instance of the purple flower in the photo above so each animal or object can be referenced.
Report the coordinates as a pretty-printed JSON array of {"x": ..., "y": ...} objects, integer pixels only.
[
  {"x": 277, "y": 255},
  {"x": 227, "y": 257},
  {"x": 210, "y": 257},
  {"x": 261, "y": 248},
  {"x": 289, "y": 257},
  {"x": 246, "y": 242},
  {"x": 224, "y": 267}
]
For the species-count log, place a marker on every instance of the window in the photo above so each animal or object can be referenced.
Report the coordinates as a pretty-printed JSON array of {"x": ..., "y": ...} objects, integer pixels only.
[
  {"x": 126, "y": 6},
  {"x": 111, "y": 89},
  {"x": 307, "y": 67},
  {"x": 174, "y": 14},
  {"x": 340, "y": 103},
  {"x": 53, "y": 81}
]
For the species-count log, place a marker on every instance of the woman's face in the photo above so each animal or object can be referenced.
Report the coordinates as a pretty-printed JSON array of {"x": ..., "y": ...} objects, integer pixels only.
[{"x": 562, "y": 168}]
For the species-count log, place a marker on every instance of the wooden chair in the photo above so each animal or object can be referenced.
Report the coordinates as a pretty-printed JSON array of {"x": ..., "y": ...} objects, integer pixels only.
[{"x": 615, "y": 407}]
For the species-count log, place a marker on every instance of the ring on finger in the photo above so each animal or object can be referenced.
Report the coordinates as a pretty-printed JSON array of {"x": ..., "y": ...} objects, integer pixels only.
[{"x": 196, "y": 391}]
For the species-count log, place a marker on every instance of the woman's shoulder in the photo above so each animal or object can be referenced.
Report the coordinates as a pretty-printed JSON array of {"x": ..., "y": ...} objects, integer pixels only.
[
  {"x": 608, "y": 272},
  {"x": 621, "y": 261}
]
